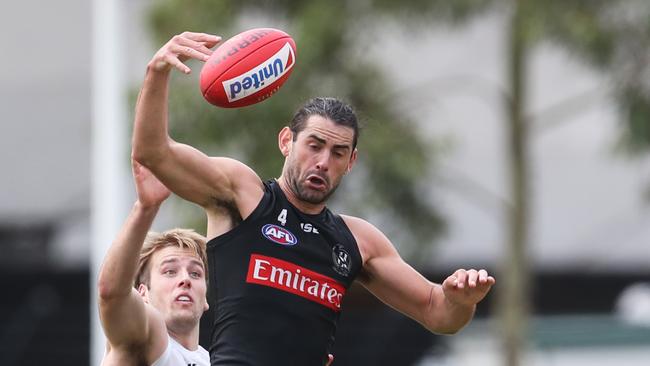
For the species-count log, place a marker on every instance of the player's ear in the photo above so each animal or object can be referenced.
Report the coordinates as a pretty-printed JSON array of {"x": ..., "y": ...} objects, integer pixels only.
[
  {"x": 285, "y": 138},
  {"x": 353, "y": 160},
  {"x": 143, "y": 290}
]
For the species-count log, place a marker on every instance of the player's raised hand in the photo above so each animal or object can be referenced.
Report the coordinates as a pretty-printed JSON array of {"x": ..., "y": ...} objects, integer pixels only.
[
  {"x": 184, "y": 46},
  {"x": 151, "y": 192},
  {"x": 467, "y": 287}
]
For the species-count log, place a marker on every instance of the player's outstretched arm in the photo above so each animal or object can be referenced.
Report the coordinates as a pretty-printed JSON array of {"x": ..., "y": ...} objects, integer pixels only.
[
  {"x": 152, "y": 145},
  {"x": 185, "y": 170},
  {"x": 125, "y": 318},
  {"x": 442, "y": 309}
]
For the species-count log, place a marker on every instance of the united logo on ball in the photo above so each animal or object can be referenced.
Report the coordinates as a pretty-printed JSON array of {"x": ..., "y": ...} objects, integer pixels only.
[{"x": 248, "y": 68}]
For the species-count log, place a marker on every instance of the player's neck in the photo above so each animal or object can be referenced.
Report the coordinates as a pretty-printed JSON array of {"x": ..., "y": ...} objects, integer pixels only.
[
  {"x": 304, "y": 207},
  {"x": 189, "y": 340}
]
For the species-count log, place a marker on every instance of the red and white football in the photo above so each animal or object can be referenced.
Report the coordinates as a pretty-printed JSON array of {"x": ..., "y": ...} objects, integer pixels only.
[{"x": 248, "y": 68}]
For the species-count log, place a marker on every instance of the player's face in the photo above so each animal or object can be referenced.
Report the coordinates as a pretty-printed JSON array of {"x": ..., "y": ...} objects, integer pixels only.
[
  {"x": 320, "y": 156},
  {"x": 178, "y": 287}
]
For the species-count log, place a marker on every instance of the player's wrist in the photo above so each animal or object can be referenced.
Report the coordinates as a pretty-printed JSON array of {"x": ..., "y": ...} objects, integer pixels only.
[
  {"x": 147, "y": 207},
  {"x": 459, "y": 304}
]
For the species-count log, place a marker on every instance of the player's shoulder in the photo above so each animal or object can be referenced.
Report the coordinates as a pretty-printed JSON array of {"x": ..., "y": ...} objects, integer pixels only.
[
  {"x": 242, "y": 186},
  {"x": 371, "y": 241},
  {"x": 232, "y": 165},
  {"x": 239, "y": 174},
  {"x": 360, "y": 227}
]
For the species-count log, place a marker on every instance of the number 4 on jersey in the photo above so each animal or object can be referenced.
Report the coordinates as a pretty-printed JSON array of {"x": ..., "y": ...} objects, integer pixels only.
[{"x": 282, "y": 217}]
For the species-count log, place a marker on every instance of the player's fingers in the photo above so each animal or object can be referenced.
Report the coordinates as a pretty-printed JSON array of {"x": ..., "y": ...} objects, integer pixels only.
[
  {"x": 461, "y": 276},
  {"x": 197, "y": 41},
  {"x": 482, "y": 276},
  {"x": 175, "y": 62},
  {"x": 189, "y": 50},
  {"x": 489, "y": 281},
  {"x": 450, "y": 282},
  {"x": 202, "y": 37},
  {"x": 195, "y": 45},
  {"x": 472, "y": 278},
  {"x": 211, "y": 42}
]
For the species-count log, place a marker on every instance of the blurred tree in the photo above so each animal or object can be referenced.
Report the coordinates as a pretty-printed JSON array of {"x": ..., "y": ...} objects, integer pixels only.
[{"x": 613, "y": 37}]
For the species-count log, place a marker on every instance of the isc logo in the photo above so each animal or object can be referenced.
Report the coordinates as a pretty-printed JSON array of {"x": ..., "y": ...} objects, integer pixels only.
[{"x": 279, "y": 235}]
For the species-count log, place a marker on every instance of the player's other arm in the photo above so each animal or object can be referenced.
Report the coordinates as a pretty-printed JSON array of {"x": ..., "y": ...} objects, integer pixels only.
[
  {"x": 185, "y": 170},
  {"x": 123, "y": 315},
  {"x": 441, "y": 308},
  {"x": 128, "y": 323}
]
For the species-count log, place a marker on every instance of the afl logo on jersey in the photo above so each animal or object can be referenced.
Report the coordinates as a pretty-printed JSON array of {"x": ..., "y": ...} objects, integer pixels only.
[
  {"x": 279, "y": 235},
  {"x": 342, "y": 260}
]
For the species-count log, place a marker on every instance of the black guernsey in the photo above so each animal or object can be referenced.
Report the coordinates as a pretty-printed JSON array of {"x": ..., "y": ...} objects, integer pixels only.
[{"x": 276, "y": 285}]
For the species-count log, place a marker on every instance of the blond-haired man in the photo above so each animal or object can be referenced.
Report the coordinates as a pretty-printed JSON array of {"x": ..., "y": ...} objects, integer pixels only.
[{"x": 154, "y": 319}]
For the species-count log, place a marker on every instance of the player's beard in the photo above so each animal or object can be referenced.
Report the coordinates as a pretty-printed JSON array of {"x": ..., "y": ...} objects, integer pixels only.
[{"x": 298, "y": 185}]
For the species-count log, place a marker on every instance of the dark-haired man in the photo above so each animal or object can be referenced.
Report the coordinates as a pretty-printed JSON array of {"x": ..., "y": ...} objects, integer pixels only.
[{"x": 280, "y": 261}]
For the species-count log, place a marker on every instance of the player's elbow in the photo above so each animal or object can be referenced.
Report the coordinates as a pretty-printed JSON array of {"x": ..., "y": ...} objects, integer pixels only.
[
  {"x": 141, "y": 153},
  {"x": 107, "y": 291},
  {"x": 146, "y": 155},
  {"x": 138, "y": 156}
]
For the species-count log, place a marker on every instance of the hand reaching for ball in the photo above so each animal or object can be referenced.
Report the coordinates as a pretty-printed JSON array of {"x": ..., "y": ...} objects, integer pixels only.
[{"x": 182, "y": 47}]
